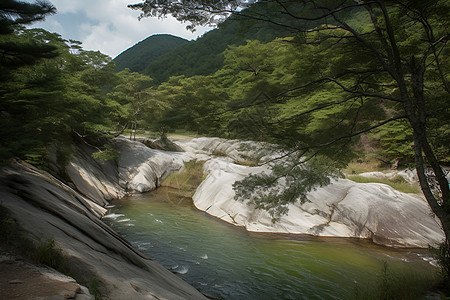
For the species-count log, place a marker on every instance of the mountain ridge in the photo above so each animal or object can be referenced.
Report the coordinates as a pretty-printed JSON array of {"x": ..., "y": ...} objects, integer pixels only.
[{"x": 137, "y": 57}]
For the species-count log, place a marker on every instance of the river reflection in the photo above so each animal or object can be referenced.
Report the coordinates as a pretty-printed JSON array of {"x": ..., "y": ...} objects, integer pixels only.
[{"x": 227, "y": 262}]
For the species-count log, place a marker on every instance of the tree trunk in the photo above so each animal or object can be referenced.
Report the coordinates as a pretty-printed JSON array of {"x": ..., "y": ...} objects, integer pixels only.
[
  {"x": 438, "y": 206},
  {"x": 415, "y": 108}
]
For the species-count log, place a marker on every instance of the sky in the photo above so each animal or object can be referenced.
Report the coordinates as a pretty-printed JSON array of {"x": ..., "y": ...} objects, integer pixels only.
[{"x": 109, "y": 26}]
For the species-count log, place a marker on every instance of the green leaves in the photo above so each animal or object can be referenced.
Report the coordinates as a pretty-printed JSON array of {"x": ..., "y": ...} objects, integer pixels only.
[
  {"x": 45, "y": 103},
  {"x": 136, "y": 100},
  {"x": 289, "y": 181},
  {"x": 107, "y": 154}
]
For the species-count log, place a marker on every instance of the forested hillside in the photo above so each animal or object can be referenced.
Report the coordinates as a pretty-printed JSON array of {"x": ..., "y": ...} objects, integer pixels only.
[
  {"x": 147, "y": 51},
  {"x": 204, "y": 56}
]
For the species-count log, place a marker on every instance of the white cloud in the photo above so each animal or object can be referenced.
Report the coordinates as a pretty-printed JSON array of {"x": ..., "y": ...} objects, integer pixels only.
[
  {"x": 64, "y": 6},
  {"x": 109, "y": 25},
  {"x": 55, "y": 26}
]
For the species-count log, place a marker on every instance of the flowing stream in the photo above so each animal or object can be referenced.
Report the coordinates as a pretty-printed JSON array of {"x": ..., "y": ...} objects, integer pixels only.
[{"x": 227, "y": 262}]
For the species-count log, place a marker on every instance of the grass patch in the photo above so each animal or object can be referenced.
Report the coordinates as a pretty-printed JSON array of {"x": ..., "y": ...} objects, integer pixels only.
[
  {"x": 188, "y": 179},
  {"x": 246, "y": 162},
  {"x": 442, "y": 255},
  {"x": 219, "y": 153},
  {"x": 44, "y": 252},
  {"x": 8, "y": 228},
  {"x": 366, "y": 164},
  {"x": 48, "y": 254},
  {"x": 398, "y": 183},
  {"x": 94, "y": 289}
]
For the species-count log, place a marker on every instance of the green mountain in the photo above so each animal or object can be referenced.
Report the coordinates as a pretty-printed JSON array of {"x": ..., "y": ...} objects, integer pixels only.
[
  {"x": 146, "y": 51},
  {"x": 204, "y": 55}
]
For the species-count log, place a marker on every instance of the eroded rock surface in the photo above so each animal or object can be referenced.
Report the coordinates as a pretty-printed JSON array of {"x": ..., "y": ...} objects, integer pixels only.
[
  {"x": 23, "y": 281},
  {"x": 341, "y": 209},
  {"x": 138, "y": 169},
  {"x": 47, "y": 208}
]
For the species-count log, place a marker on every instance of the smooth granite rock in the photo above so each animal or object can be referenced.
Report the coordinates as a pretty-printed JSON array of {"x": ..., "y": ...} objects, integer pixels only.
[
  {"x": 47, "y": 208},
  {"x": 342, "y": 209},
  {"x": 138, "y": 169},
  {"x": 22, "y": 280},
  {"x": 162, "y": 144}
]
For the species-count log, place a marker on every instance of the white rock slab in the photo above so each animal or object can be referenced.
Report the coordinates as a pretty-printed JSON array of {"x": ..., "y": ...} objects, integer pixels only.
[{"x": 342, "y": 209}]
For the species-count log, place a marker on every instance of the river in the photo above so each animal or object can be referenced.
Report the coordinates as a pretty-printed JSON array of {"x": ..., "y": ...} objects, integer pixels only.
[{"x": 227, "y": 262}]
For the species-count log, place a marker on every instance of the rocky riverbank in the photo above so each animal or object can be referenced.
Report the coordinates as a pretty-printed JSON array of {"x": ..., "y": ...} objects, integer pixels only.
[
  {"x": 47, "y": 208},
  {"x": 342, "y": 209},
  {"x": 69, "y": 211}
]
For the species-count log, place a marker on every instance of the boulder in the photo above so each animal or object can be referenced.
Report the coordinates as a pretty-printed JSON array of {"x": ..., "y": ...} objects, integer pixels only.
[
  {"x": 22, "y": 280},
  {"x": 241, "y": 152},
  {"x": 95, "y": 179},
  {"x": 142, "y": 169},
  {"x": 409, "y": 175}
]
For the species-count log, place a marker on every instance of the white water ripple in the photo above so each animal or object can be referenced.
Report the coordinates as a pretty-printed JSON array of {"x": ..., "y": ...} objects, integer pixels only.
[
  {"x": 113, "y": 216},
  {"x": 181, "y": 270}
]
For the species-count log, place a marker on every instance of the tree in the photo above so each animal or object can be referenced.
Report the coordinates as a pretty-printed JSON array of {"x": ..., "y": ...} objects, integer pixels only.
[
  {"x": 50, "y": 103},
  {"x": 136, "y": 100},
  {"x": 14, "y": 51},
  {"x": 391, "y": 52},
  {"x": 191, "y": 100}
]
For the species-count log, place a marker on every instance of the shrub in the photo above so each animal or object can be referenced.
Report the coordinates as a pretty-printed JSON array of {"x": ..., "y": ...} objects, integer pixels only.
[
  {"x": 48, "y": 254},
  {"x": 188, "y": 179},
  {"x": 107, "y": 154},
  {"x": 8, "y": 227}
]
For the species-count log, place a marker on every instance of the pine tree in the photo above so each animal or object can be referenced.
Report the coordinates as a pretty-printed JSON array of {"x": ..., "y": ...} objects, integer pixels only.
[{"x": 16, "y": 51}]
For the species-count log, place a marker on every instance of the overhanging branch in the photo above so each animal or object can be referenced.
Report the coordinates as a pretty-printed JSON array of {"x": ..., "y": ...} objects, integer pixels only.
[{"x": 348, "y": 136}]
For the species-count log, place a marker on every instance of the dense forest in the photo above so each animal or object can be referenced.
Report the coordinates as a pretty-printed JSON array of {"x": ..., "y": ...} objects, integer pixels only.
[
  {"x": 246, "y": 60},
  {"x": 241, "y": 80},
  {"x": 54, "y": 93}
]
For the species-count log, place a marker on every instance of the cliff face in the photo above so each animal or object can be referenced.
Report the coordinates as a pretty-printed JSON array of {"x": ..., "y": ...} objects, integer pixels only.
[{"x": 45, "y": 207}]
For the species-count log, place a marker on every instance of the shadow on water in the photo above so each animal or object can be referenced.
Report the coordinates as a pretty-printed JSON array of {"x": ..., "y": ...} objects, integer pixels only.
[{"x": 226, "y": 262}]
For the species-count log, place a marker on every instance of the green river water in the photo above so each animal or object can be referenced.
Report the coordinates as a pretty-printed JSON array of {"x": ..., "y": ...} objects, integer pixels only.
[{"x": 227, "y": 262}]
